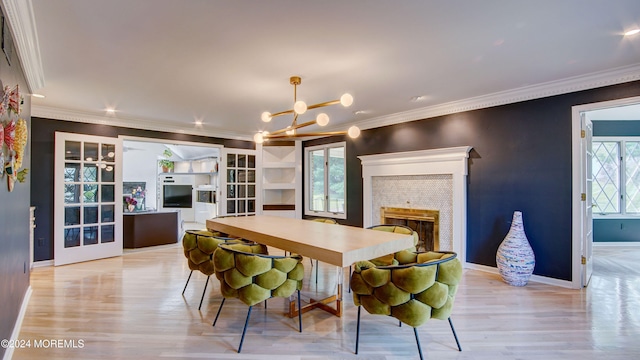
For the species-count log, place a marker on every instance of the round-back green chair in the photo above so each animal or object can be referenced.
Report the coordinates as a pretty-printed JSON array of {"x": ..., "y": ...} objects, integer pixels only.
[
  {"x": 198, "y": 246},
  {"x": 419, "y": 287},
  {"x": 246, "y": 272},
  {"x": 390, "y": 258},
  {"x": 398, "y": 229}
]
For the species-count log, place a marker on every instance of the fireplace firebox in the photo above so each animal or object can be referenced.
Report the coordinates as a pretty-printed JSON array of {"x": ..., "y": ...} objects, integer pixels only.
[{"x": 425, "y": 222}]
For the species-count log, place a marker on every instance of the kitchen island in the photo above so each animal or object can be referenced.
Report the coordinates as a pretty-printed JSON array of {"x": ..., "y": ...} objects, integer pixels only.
[{"x": 149, "y": 228}]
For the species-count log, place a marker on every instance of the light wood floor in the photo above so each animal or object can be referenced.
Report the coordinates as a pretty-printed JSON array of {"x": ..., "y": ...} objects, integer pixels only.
[{"x": 130, "y": 307}]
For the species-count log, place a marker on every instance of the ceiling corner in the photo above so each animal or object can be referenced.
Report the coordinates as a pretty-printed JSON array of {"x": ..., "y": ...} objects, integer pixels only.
[{"x": 21, "y": 20}]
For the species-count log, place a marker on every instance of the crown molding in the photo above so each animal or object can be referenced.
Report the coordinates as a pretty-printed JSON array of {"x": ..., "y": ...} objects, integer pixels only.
[
  {"x": 19, "y": 15},
  {"x": 131, "y": 122},
  {"x": 552, "y": 88}
]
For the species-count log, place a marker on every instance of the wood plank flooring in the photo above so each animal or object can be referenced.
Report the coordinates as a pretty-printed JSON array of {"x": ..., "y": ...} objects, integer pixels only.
[{"x": 130, "y": 307}]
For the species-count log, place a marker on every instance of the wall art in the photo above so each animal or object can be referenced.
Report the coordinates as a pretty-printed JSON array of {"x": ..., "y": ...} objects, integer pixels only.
[{"x": 13, "y": 137}]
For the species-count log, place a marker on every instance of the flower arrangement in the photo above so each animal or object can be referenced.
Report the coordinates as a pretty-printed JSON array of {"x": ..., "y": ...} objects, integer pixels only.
[
  {"x": 131, "y": 201},
  {"x": 138, "y": 192}
]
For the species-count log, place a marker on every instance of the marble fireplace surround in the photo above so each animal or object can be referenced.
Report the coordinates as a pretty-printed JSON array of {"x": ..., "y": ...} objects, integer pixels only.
[{"x": 448, "y": 163}]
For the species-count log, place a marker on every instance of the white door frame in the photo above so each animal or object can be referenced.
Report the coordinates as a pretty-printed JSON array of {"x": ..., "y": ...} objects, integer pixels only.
[{"x": 577, "y": 179}]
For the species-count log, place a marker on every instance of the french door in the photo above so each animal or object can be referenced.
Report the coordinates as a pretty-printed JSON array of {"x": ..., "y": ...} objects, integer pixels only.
[
  {"x": 88, "y": 198},
  {"x": 587, "y": 203},
  {"x": 238, "y": 182}
]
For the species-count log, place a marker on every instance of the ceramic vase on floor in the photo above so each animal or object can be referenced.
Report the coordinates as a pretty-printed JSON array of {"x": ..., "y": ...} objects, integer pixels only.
[{"x": 515, "y": 257}]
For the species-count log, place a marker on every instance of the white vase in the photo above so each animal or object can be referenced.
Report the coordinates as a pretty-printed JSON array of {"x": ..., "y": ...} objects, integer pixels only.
[{"x": 515, "y": 256}]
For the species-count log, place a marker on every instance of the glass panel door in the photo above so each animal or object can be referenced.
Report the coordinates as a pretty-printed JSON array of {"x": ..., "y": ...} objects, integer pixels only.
[
  {"x": 238, "y": 185},
  {"x": 88, "y": 180}
]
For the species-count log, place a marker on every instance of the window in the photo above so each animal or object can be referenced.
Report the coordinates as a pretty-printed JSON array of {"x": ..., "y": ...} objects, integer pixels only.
[
  {"x": 325, "y": 181},
  {"x": 616, "y": 176}
]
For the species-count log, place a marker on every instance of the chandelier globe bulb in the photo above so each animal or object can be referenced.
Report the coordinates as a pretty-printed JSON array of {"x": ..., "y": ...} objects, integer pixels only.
[{"x": 323, "y": 119}]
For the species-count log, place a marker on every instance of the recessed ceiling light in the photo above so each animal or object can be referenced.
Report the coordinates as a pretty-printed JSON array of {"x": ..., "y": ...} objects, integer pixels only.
[
  {"x": 110, "y": 110},
  {"x": 198, "y": 122},
  {"x": 419, "y": 98},
  {"x": 632, "y": 32},
  {"x": 359, "y": 112},
  {"x": 38, "y": 96}
]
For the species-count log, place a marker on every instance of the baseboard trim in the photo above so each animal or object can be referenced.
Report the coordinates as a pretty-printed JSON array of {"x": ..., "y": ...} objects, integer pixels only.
[
  {"x": 8, "y": 354},
  {"x": 43, "y": 263},
  {"x": 617, "y": 244},
  {"x": 534, "y": 278}
]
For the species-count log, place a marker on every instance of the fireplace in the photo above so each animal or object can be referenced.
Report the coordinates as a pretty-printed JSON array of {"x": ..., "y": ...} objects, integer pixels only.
[
  {"x": 425, "y": 222},
  {"x": 420, "y": 181}
]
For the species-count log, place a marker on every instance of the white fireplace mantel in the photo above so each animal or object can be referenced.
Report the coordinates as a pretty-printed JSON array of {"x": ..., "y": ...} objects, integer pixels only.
[{"x": 445, "y": 161}]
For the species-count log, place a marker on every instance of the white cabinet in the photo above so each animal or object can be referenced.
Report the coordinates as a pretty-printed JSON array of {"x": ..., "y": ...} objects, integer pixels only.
[
  {"x": 178, "y": 191},
  {"x": 204, "y": 212},
  {"x": 281, "y": 164},
  {"x": 207, "y": 165}
]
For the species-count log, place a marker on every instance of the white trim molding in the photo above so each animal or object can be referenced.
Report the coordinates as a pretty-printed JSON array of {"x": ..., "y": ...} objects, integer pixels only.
[
  {"x": 534, "y": 278},
  {"x": 616, "y": 244},
  {"x": 19, "y": 14},
  {"x": 445, "y": 161},
  {"x": 8, "y": 353}
]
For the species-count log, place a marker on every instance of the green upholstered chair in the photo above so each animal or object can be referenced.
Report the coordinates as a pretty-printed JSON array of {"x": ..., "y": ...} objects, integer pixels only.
[
  {"x": 419, "y": 287},
  {"x": 198, "y": 246},
  {"x": 249, "y": 274},
  {"x": 325, "y": 221},
  {"x": 399, "y": 229},
  {"x": 390, "y": 258}
]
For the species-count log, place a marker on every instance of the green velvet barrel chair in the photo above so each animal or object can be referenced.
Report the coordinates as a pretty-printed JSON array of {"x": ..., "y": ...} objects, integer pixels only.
[
  {"x": 198, "y": 246},
  {"x": 249, "y": 274},
  {"x": 398, "y": 229},
  {"x": 390, "y": 258},
  {"x": 419, "y": 287}
]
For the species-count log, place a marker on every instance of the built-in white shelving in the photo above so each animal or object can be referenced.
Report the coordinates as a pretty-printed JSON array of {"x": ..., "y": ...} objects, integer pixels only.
[
  {"x": 200, "y": 175},
  {"x": 281, "y": 164}
]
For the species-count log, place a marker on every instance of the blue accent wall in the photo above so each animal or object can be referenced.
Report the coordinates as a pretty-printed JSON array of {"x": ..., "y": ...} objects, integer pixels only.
[
  {"x": 521, "y": 160},
  {"x": 616, "y": 127},
  {"x": 616, "y": 230}
]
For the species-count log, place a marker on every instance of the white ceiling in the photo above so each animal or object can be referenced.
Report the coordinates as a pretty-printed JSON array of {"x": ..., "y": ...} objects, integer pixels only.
[{"x": 167, "y": 63}]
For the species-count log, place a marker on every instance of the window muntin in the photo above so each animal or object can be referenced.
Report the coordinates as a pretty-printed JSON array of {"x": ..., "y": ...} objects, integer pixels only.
[
  {"x": 616, "y": 176},
  {"x": 606, "y": 176}
]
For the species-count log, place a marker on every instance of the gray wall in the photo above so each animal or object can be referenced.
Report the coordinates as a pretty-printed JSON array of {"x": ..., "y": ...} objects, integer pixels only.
[{"x": 14, "y": 217}]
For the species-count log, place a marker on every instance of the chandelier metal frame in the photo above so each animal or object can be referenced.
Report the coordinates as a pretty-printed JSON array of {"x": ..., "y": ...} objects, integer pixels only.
[{"x": 300, "y": 108}]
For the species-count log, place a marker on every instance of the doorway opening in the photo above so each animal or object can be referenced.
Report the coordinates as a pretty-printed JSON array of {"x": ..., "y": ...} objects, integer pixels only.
[
  {"x": 627, "y": 109},
  {"x": 172, "y": 176}
]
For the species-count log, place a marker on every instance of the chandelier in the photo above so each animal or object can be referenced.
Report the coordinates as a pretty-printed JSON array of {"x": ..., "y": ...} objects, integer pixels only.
[{"x": 299, "y": 108}]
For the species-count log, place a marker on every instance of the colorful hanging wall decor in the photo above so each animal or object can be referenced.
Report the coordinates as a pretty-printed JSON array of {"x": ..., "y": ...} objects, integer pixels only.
[{"x": 13, "y": 137}]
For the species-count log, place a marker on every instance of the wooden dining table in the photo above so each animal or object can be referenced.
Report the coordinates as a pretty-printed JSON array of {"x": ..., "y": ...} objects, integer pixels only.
[{"x": 338, "y": 245}]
